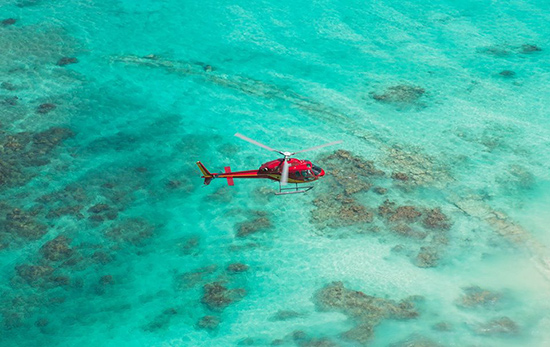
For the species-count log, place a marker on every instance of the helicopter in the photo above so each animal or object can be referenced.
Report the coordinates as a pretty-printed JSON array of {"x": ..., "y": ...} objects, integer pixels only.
[{"x": 284, "y": 170}]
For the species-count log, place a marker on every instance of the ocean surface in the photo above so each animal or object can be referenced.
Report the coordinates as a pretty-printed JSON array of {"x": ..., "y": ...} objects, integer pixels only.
[{"x": 431, "y": 227}]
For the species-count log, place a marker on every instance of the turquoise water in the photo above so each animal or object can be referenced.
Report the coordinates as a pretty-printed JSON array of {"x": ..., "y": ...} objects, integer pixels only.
[{"x": 417, "y": 89}]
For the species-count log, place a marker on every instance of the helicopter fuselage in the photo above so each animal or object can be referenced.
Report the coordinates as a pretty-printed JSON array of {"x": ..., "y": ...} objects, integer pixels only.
[{"x": 299, "y": 171}]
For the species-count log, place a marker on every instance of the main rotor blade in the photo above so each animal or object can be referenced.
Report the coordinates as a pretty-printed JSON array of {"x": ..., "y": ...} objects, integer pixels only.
[
  {"x": 241, "y": 136},
  {"x": 284, "y": 174},
  {"x": 317, "y": 147}
]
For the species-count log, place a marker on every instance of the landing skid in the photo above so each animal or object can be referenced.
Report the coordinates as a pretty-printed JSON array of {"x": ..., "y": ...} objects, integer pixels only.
[{"x": 295, "y": 190}]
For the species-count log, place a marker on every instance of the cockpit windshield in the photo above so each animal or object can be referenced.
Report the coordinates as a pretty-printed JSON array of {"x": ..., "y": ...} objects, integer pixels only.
[{"x": 316, "y": 170}]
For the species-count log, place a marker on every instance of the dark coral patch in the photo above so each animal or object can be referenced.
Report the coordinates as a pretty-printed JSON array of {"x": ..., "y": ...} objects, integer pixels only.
[
  {"x": 23, "y": 224},
  {"x": 400, "y": 94},
  {"x": 253, "y": 226},
  {"x": 528, "y": 48},
  {"x": 216, "y": 296},
  {"x": 366, "y": 310},
  {"x": 67, "y": 61},
  {"x": 8, "y": 21},
  {"x": 57, "y": 249},
  {"x": 45, "y": 108}
]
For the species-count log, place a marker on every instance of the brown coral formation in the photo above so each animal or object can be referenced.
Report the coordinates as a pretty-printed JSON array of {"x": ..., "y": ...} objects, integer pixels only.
[
  {"x": 338, "y": 211},
  {"x": 475, "y": 296},
  {"x": 237, "y": 268},
  {"x": 132, "y": 230},
  {"x": 427, "y": 257},
  {"x": 434, "y": 219},
  {"x": 22, "y": 151},
  {"x": 413, "y": 168},
  {"x": 366, "y": 310},
  {"x": 498, "y": 326},
  {"x": 348, "y": 172},
  {"x": 57, "y": 249},
  {"x": 216, "y": 296},
  {"x": 208, "y": 322},
  {"x": 23, "y": 224},
  {"x": 253, "y": 226},
  {"x": 401, "y": 94}
]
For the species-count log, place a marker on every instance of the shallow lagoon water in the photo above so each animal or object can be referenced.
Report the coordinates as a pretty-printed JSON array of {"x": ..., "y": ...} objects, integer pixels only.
[{"x": 292, "y": 75}]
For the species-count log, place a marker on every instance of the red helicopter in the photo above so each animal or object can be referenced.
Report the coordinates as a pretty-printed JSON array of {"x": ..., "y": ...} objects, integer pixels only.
[{"x": 284, "y": 170}]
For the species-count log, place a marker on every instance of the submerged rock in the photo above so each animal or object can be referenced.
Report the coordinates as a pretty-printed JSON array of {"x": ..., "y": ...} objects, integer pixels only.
[
  {"x": 339, "y": 211},
  {"x": 380, "y": 190},
  {"x": 427, "y": 257},
  {"x": 443, "y": 326},
  {"x": 435, "y": 219},
  {"x": 46, "y": 108},
  {"x": 193, "y": 278},
  {"x": 253, "y": 226},
  {"x": 209, "y": 322},
  {"x": 162, "y": 321},
  {"x": 405, "y": 213},
  {"x": 475, "y": 296},
  {"x": 286, "y": 315},
  {"x": 368, "y": 311},
  {"x": 34, "y": 274},
  {"x": 57, "y": 249},
  {"x": 496, "y": 51},
  {"x": 400, "y": 94},
  {"x": 8, "y": 86},
  {"x": 507, "y": 73},
  {"x": 348, "y": 173},
  {"x": 217, "y": 297},
  {"x": 8, "y": 21},
  {"x": 133, "y": 230},
  {"x": 23, "y": 224},
  {"x": 498, "y": 326},
  {"x": 416, "y": 340},
  {"x": 420, "y": 169},
  {"x": 98, "y": 208},
  {"x": 527, "y": 48},
  {"x": 190, "y": 245},
  {"x": 237, "y": 267},
  {"x": 399, "y": 176},
  {"x": 66, "y": 61}
]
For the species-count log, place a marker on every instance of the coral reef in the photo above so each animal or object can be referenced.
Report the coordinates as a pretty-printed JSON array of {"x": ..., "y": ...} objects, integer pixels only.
[
  {"x": 57, "y": 249},
  {"x": 427, "y": 257},
  {"x": 475, "y": 296},
  {"x": 237, "y": 267},
  {"x": 413, "y": 168},
  {"x": 132, "y": 230},
  {"x": 23, "y": 224},
  {"x": 22, "y": 151},
  {"x": 208, "y": 322},
  {"x": 416, "y": 340},
  {"x": 529, "y": 48},
  {"x": 193, "y": 278},
  {"x": 216, "y": 296},
  {"x": 337, "y": 211},
  {"x": 507, "y": 73},
  {"x": 498, "y": 326},
  {"x": 286, "y": 315},
  {"x": 349, "y": 173},
  {"x": 7, "y": 22},
  {"x": 45, "y": 108},
  {"x": 161, "y": 321},
  {"x": 247, "y": 228},
  {"x": 401, "y": 93},
  {"x": 67, "y": 61},
  {"x": 367, "y": 311}
]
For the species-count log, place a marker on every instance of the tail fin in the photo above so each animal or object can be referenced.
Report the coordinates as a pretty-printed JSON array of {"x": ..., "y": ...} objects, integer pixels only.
[{"x": 205, "y": 173}]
